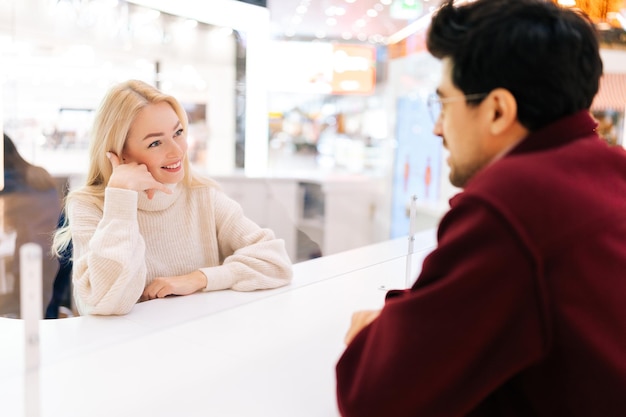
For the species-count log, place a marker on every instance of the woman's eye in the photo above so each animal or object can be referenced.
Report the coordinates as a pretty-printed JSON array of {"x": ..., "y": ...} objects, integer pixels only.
[
  {"x": 155, "y": 143},
  {"x": 178, "y": 132}
]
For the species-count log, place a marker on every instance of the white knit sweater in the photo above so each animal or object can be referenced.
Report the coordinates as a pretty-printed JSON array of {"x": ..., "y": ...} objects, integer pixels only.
[{"x": 121, "y": 250}]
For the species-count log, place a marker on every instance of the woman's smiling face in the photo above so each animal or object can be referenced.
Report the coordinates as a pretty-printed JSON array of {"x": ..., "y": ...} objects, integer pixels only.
[{"x": 157, "y": 140}]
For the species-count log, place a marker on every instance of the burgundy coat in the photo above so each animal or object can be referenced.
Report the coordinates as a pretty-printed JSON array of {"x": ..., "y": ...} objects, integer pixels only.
[{"x": 521, "y": 308}]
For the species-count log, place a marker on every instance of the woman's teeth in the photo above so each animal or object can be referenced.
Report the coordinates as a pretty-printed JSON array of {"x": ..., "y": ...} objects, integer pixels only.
[{"x": 176, "y": 165}]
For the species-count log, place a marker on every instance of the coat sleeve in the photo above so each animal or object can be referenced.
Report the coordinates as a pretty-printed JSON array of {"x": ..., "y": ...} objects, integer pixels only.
[
  {"x": 472, "y": 320},
  {"x": 109, "y": 270},
  {"x": 253, "y": 258}
]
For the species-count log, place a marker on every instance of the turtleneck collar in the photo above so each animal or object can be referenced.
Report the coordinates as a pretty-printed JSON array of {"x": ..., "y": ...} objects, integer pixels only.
[{"x": 160, "y": 201}]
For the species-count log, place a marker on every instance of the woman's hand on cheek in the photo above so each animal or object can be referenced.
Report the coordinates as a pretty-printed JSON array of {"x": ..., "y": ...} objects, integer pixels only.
[{"x": 134, "y": 176}]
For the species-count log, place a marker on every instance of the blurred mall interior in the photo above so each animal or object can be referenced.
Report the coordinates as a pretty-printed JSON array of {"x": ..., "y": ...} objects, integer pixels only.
[{"x": 310, "y": 113}]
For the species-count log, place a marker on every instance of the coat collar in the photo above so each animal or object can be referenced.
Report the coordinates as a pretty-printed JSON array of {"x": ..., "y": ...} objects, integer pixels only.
[{"x": 576, "y": 126}]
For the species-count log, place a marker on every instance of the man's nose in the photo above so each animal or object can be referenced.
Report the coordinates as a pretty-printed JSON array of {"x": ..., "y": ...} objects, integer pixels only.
[{"x": 438, "y": 127}]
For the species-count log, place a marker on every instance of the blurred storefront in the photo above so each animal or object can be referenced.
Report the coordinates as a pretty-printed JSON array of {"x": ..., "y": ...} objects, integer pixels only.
[{"x": 257, "y": 106}]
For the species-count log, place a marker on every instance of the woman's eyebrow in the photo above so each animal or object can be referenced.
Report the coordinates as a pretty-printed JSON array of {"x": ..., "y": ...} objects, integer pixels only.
[{"x": 157, "y": 134}]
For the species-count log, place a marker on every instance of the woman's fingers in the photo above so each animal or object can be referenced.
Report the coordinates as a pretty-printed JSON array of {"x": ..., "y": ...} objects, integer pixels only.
[{"x": 115, "y": 161}]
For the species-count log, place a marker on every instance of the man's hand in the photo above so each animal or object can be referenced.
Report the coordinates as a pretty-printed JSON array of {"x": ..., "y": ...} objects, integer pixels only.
[{"x": 360, "y": 319}]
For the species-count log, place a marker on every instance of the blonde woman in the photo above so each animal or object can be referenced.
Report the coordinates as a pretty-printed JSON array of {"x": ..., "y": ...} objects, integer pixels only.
[{"x": 144, "y": 226}]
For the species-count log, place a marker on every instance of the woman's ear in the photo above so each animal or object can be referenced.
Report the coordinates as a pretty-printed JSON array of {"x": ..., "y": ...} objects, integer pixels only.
[{"x": 504, "y": 110}]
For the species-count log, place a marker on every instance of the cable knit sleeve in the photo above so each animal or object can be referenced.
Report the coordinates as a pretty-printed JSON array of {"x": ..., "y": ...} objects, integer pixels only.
[
  {"x": 109, "y": 270},
  {"x": 253, "y": 258}
]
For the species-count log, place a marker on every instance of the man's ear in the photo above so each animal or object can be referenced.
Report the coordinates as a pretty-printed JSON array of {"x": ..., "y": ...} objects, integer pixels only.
[{"x": 503, "y": 107}]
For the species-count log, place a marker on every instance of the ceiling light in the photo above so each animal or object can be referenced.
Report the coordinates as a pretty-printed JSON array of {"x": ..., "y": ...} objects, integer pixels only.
[
  {"x": 405, "y": 10},
  {"x": 385, "y": 2},
  {"x": 417, "y": 25},
  {"x": 620, "y": 19},
  {"x": 335, "y": 11},
  {"x": 372, "y": 13}
]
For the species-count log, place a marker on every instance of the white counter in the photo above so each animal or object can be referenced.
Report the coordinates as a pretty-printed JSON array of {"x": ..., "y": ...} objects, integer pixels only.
[{"x": 265, "y": 353}]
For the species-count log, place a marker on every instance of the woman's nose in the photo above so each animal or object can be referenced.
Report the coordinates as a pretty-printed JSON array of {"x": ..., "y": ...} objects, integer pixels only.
[{"x": 175, "y": 149}]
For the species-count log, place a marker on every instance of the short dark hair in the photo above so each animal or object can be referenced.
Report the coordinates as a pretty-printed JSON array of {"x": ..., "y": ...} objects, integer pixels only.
[{"x": 546, "y": 55}]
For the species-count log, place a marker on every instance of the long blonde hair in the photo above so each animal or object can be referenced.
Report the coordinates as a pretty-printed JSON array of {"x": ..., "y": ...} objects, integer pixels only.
[{"x": 112, "y": 122}]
